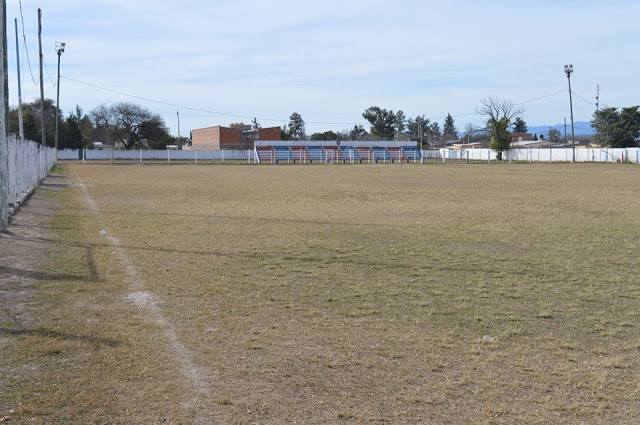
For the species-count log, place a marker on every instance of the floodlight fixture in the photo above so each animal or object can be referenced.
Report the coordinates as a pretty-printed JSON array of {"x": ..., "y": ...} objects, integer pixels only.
[{"x": 568, "y": 69}]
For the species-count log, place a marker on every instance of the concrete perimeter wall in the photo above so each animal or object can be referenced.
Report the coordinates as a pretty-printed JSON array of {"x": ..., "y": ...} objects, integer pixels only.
[
  {"x": 631, "y": 155},
  {"x": 156, "y": 155},
  {"x": 29, "y": 163}
]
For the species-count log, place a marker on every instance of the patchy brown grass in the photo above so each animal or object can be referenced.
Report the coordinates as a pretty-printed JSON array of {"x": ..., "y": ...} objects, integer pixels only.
[{"x": 337, "y": 294}]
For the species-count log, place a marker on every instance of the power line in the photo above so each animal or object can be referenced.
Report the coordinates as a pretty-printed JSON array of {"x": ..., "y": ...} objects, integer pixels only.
[
  {"x": 542, "y": 97},
  {"x": 199, "y": 109},
  {"x": 590, "y": 103},
  {"x": 206, "y": 111},
  {"x": 51, "y": 79},
  {"x": 24, "y": 37}
]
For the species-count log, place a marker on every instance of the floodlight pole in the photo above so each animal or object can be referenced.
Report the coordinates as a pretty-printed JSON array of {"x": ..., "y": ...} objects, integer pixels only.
[
  {"x": 59, "y": 50},
  {"x": 568, "y": 69}
]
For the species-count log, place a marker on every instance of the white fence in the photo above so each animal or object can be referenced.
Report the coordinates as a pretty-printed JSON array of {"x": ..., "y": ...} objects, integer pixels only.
[
  {"x": 29, "y": 163},
  {"x": 630, "y": 155},
  {"x": 168, "y": 155}
]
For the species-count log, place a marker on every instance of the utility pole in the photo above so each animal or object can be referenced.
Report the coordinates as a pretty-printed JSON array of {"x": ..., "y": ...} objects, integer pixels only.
[
  {"x": 565, "y": 132},
  {"x": 42, "y": 112},
  {"x": 179, "y": 141},
  {"x": 20, "y": 121},
  {"x": 59, "y": 51},
  {"x": 4, "y": 115},
  {"x": 568, "y": 69},
  {"x": 598, "y": 97}
]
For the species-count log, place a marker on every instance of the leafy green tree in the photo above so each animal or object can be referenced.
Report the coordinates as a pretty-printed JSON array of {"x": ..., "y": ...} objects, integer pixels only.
[
  {"x": 519, "y": 125},
  {"x": 383, "y": 122},
  {"x": 31, "y": 113},
  {"x": 500, "y": 115},
  {"x": 130, "y": 124},
  {"x": 449, "y": 130},
  {"x": 296, "y": 127},
  {"x": 500, "y": 136},
  {"x": 285, "y": 133},
  {"x": 401, "y": 123},
  {"x": 327, "y": 135},
  {"x": 617, "y": 129},
  {"x": 418, "y": 127},
  {"x": 357, "y": 132},
  {"x": 76, "y": 131}
]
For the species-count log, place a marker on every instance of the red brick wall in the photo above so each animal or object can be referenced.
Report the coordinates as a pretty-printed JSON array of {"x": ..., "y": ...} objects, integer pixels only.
[
  {"x": 206, "y": 138},
  {"x": 219, "y": 137},
  {"x": 271, "y": 133}
]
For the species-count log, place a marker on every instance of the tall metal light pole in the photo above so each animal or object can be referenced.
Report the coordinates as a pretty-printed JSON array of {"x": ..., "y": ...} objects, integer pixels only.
[
  {"x": 59, "y": 51},
  {"x": 568, "y": 69}
]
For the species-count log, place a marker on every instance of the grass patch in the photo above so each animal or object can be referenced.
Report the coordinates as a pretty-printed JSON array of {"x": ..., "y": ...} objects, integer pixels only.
[{"x": 342, "y": 294}]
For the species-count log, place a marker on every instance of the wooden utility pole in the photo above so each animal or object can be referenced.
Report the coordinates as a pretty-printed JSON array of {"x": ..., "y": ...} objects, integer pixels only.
[
  {"x": 4, "y": 115},
  {"x": 42, "y": 112}
]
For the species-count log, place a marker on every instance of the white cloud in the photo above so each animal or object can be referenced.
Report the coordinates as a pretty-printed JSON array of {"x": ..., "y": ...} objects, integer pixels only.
[{"x": 330, "y": 60}]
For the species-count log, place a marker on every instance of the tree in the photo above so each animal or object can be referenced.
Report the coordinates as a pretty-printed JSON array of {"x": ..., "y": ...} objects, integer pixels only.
[
  {"x": 255, "y": 124},
  {"x": 383, "y": 122},
  {"x": 434, "y": 134},
  {"x": 400, "y": 123},
  {"x": 617, "y": 129},
  {"x": 31, "y": 113},
  {"x": 130, "y": 124},
  {"x": 449, "y": 130},
  {"x": 500, "y": 114},
  {"x": 296, "y": 126},
  {"x": 76, "y": 130},
  {"x": 285, "y": 133},
  {"x": 519, "y": 125},
  {"x": 327, "y": 135},
  {"x": 418, "y": 128},
  {"x": 357, "y": 133},
  {"x": 554, "y": 135}
]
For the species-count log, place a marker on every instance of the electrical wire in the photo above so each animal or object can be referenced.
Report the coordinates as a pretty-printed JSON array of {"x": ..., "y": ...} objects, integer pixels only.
[
  {"x": 590, "y": 103},
  {"x": 24, "y": 38},
  {"x": 206, "y": 111},
  {"x": 47, "y": 68},
  {"x": 542, "y": 97}
]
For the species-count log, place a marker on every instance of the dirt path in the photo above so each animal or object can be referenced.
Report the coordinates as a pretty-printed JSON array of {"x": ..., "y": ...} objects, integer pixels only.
[{"x": 24, "y": 248}]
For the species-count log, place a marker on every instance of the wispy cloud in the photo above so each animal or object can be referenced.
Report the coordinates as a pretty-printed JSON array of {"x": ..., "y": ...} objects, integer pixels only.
[{"x": 329, "y": 60}]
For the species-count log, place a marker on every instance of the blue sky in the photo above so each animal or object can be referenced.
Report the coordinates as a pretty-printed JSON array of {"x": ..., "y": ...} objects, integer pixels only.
[{"x": 330, "y": 60}]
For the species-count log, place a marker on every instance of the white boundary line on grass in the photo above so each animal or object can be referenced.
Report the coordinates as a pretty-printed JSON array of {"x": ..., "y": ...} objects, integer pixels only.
[{"x": 151, "y": 304}]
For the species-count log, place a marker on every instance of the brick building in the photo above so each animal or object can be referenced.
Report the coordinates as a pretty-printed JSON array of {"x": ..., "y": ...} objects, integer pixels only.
[{"x": 237, "y": 136}]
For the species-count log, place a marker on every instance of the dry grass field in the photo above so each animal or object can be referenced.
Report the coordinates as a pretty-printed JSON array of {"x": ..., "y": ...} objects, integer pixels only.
[{"x": 369, "y": 294}]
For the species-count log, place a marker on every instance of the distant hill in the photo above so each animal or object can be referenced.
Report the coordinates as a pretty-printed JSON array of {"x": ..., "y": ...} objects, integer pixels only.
[{"x": 581, "y": 128}]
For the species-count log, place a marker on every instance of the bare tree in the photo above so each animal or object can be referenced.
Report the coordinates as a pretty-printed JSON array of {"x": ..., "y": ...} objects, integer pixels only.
[
  {"x": 130, "y": 124},
  {"x": 500, "y": 115}
]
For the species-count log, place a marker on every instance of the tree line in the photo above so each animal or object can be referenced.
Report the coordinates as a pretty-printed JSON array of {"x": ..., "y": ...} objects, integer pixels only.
[
  {"x": 126, "y": 124},
  {"x": 133, "y": 126},
  {"x": 384, "y": 125}
]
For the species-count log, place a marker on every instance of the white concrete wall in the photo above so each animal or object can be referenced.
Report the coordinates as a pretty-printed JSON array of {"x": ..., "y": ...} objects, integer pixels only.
[
  {"x": 631, "y": 155},
  {"x": 157, "y": 155},
  {"x": 29, "y": 163}
]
